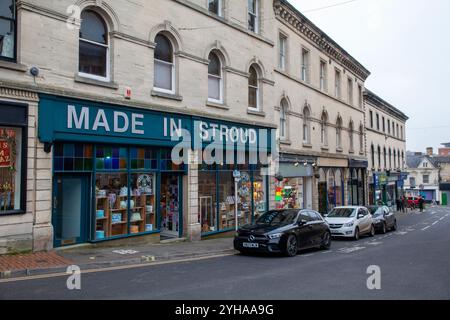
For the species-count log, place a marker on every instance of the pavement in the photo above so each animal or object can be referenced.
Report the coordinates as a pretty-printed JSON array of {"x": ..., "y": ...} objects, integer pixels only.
[
  {"x": 414, "y": 263},
  {"x": 88, "y": 257}
]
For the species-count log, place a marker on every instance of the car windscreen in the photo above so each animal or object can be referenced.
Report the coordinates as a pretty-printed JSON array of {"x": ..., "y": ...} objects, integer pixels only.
[
  {"x": 278, "y": 218},
  {"x": 376, "y": 211},
  {"x": 342, "y": 213}
]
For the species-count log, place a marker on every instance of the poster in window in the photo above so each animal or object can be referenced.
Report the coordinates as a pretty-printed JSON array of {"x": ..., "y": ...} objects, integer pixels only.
[{"x": 5, "y": 154}]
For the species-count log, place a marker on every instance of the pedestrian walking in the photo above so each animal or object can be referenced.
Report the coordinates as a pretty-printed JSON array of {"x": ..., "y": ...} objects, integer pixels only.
[
  {"x": 404, "y": 204},
  {"x": 421, "y": 203}
]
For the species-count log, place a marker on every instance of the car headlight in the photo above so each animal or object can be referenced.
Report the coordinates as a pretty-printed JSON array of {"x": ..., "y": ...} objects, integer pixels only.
[
  {"x": 275, "y": 235},
  {"x": 350, "y": 224}
]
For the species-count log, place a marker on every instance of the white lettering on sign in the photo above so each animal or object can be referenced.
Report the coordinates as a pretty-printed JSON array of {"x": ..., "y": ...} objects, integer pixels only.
[
  {"x": 72, "y": 117},
  {"x": 225, "y": 133},
  {"x": 135, "y": 123},
  {"x": 126, "y": 122},
  {"x": 100, "y": 121},
  {"x": 121, "y": 121}
]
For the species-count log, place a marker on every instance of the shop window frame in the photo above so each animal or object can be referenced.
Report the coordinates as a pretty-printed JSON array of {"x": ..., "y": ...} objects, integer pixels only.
[{"x": 24, "y": 153}]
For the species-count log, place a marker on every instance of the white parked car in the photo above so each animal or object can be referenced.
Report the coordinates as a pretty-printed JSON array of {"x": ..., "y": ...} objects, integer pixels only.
[{"x": 350, "y": 222}]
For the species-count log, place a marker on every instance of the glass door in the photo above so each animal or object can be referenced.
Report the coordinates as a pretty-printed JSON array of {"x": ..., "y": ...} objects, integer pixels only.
[
  {"x": 70, "y": 209},
  {"x": 170, "y": 206}
]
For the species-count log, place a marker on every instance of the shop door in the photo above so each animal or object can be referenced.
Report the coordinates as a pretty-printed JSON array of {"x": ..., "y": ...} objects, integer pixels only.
[
  {"x": 170, "y": 206},
  {"x": 70, "y": 209}
]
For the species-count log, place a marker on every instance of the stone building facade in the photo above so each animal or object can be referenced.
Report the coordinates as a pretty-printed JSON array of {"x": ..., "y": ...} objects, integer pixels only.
[
  {"x": 108, "y": 86},
  {"x": 386, "y": 149}
]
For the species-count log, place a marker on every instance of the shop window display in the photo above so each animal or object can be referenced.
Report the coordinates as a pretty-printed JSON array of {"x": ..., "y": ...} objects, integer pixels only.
[
  {"x": 112, "y": 201},
  {"x": 10, "y": 169},
  {"x": 142, "y": 203},
  {"x": 331, "y": 189},
  {"x": 207, "y": 200},
  {"x": 290, "y": 192},
  {"x": 259, "y": 194}
]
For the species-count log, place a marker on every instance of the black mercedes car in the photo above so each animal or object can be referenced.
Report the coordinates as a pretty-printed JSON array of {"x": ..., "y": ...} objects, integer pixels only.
[
  {"x": 284, "y": 231},
  {"x": 384, "y": 219}
]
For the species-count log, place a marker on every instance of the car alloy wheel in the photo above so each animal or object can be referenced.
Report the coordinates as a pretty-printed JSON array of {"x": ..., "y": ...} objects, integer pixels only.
[
  {"x": 383, "y": 228},
  {"x": 356, "y": 236},
  {"x": 394, "y": 227},
  {"x": 326, "y": 241},
  {"x": 372, "y": 231},
  {"x": 291, "y": 246}
]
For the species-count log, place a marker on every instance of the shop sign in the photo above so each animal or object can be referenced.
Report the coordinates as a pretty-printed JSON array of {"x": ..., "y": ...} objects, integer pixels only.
[
  {"x": 5, "y": 154},
  {"x": 75, "y": 120}
]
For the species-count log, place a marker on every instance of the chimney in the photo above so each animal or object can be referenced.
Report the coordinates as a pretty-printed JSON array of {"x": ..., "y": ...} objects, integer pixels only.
[{"x": 430, "y": 151}]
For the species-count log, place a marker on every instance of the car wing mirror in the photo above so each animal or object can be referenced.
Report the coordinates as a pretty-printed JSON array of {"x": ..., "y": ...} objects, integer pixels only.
[
  {"x": 302, "y": 222},
  {"x": 360, "y": 216}
]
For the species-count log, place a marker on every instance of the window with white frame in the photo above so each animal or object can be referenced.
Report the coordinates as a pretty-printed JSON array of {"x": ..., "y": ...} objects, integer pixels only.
[
  {"x": 283, "y": 119},
  {"x": 306, "y": 126},
  {"x": 360, "y": 96},
  {"x": 426, "y": 178},
  {"x": 215, "y": 80},
  {"x": 323, "y": 75},
  {"x": 93, "y": 46},
  {"x": 361, "y": 138},
  {"x": 305, "y": 65},
  {"x": 350, "y": 136},
  {"x": 323, "y": 130},
  {"x": 164, "y": 65},
  {"x": 337, "y": 84},
  {"x": 282, "y": 43},
  {"x": 350, "y": 91},
  {"x": 339, "y": 134},
  {"x": 215, "y": 6},
  {"x": 7, "y": 29},
  {"x": 253, "y": 15},
  {"x": 253, "y": 89}
]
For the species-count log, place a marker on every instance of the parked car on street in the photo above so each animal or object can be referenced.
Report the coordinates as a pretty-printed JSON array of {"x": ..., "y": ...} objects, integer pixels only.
[
  {"x": 284, "y": 231},
  {"x": 350, "y": 222},
  {"x": 384, "y": 219},
  {"x": 413, "y": 202}
]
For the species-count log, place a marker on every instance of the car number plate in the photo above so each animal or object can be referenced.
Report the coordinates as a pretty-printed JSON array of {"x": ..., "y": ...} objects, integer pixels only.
[
  {"x": 334, "y": 231},
  {"x": 250, "y": 245}
]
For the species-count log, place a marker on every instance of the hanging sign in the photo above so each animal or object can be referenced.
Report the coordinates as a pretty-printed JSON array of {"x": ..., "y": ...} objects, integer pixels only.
[
  {"x": 5, "y": 154},
  {"x": 279, "y": 194}
]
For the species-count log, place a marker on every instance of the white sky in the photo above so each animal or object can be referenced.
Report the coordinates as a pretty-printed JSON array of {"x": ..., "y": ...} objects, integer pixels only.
[{"x": 405, "y": 44}]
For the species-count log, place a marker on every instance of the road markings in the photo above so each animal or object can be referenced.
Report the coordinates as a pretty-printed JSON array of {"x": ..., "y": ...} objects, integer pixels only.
[
  {"x": 401, "y": 233},
  {"x": 441, "y": 219},
  {"x": 374, "y": 243},
  {"x": 350, "y": 250},
  {"x": 435, "y": 223},
  {"x": 425, "y": 228}
]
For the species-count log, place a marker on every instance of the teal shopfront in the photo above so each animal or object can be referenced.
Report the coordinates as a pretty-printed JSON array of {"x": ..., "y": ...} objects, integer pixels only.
[{"x": 114, "y": 175}]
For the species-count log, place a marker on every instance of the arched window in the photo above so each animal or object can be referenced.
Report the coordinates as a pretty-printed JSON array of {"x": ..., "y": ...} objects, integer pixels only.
[
  {"x": 339, "y": 133},
  {"x": 390, "y": 159},
  {"x": 395, "y": 158},
  {"x": 253, "y": 89},
  {"x": 215, "y": 81},
  {"x": 93, "y": 46},
  {"x": 350, "y": 135},
  {"x": 283, "y": 119},
  {"x": 306, "y": 126},
  {"x": 324, "y": 130},
  {"x": 398, "y": 159},
  {"x": 164, "y": 65},
  {"x": 379, "y": 158},
  {"x": 361, "y": 138},
  {"x": 403, "y": 160},
  {"x": 372, "y": 153},
  {"x": 385, "y": 157}
]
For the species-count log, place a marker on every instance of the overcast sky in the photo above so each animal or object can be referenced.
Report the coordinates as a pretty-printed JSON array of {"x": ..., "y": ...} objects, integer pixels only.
[{"x": 405, "y": 44}]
